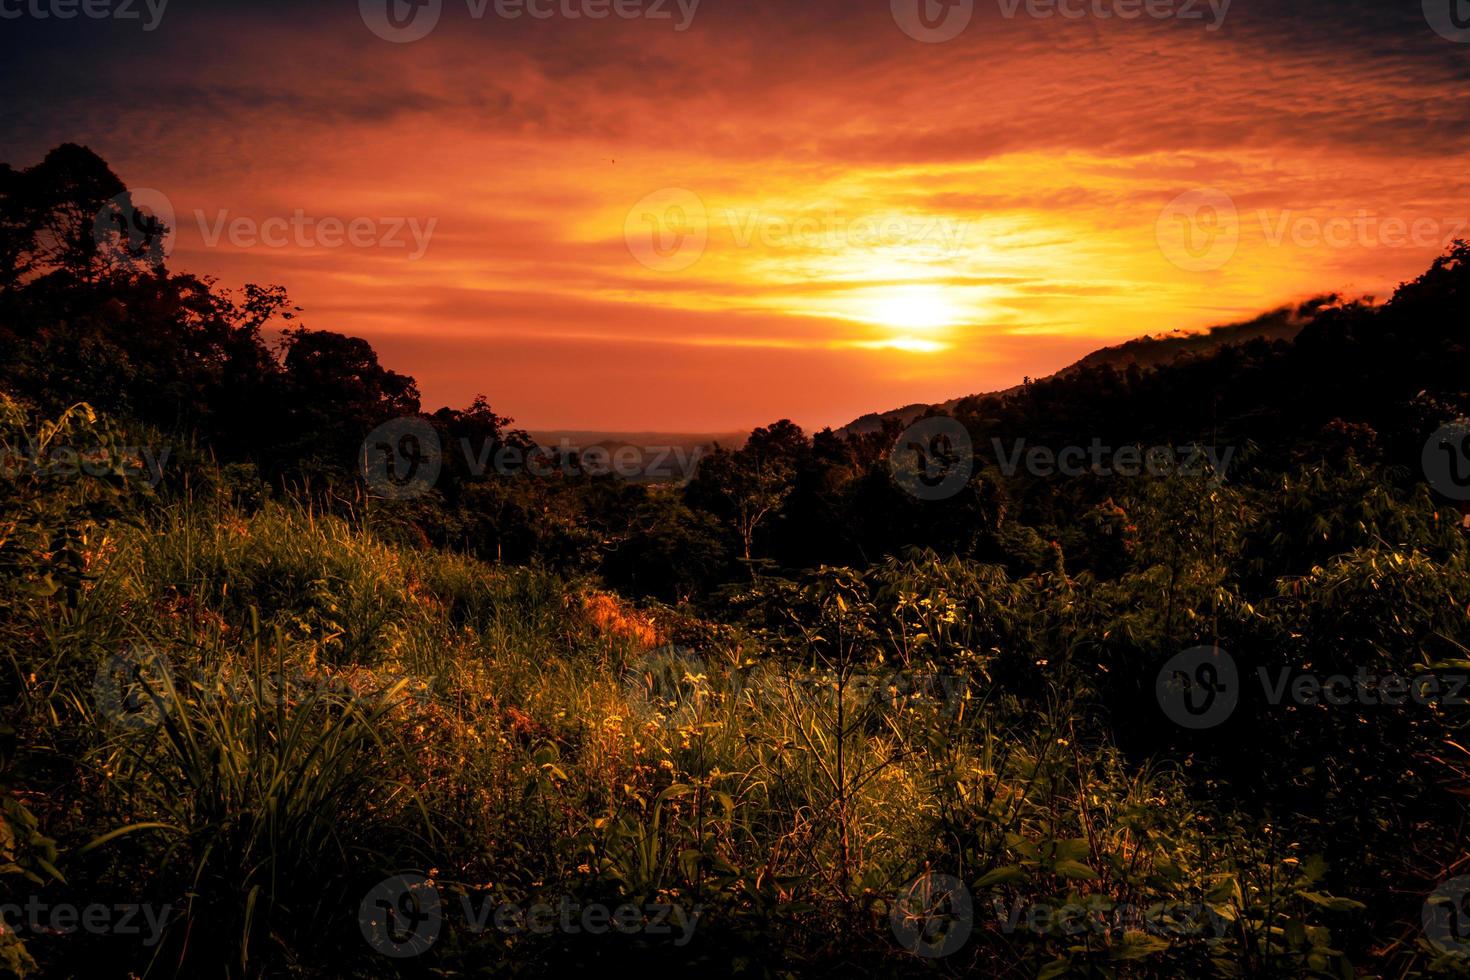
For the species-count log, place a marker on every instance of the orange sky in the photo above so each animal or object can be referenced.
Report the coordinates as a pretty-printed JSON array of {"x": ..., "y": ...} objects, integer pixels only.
[{"x": 883, "y": 220}]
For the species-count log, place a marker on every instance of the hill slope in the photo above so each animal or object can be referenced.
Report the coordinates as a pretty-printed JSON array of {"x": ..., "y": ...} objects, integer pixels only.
[{"x": 1283, "y": 323}]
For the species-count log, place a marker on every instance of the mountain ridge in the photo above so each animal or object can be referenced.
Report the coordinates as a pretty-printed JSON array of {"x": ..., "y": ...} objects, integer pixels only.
[{"x": 1151, "y": 350}]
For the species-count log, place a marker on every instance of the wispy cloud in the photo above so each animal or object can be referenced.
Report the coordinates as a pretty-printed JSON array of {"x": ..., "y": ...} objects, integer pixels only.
[{"x": 996, "y": 198}]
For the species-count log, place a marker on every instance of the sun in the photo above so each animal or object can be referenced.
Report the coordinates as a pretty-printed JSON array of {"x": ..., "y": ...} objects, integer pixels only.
[
  {"x": 922, "y": 308},
  {"x": 916, "y": 316}
]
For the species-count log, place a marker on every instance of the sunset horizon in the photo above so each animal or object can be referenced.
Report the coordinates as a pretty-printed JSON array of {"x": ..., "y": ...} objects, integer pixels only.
[{"x": 867, "y": 222}]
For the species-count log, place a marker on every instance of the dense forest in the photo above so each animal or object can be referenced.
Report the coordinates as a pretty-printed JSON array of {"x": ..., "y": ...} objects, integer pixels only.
[{"x": 1050, "y": 685}]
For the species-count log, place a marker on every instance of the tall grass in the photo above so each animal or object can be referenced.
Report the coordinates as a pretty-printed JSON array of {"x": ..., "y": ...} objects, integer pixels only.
[{"x": 337, "y": 709}]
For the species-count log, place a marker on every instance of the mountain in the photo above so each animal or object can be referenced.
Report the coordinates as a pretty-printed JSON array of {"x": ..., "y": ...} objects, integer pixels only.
[{"x": 1283, "y": 323}]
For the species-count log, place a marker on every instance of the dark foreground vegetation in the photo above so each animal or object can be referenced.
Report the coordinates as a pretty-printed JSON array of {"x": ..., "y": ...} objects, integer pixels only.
[{"x": 801, "y": 716}]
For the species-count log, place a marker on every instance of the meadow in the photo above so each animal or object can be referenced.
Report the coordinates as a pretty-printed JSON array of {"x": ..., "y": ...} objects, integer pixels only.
[{"x": 253, "y": 714}]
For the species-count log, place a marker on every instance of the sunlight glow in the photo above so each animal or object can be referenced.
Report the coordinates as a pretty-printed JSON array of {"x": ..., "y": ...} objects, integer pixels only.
[
  {"x": 921, "y": 308},
  {"x": 914, "y": 345}
]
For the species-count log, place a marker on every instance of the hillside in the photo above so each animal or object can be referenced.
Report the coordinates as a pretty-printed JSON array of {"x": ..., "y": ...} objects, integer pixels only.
[{"x": 1283, "y": 323}]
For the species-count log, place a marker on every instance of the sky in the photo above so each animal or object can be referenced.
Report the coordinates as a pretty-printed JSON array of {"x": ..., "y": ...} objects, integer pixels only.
[{"x": 708, "y": 216}]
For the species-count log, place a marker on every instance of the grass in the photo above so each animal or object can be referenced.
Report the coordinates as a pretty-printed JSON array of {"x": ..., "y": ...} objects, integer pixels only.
[{"x": 337, "y": 710}]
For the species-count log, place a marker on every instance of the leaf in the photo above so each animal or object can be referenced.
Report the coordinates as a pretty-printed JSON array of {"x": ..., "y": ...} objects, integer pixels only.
[
  {"x": 1137, "y": 945},
  {"x": 1055, "y": 968},
  {"x": 1074, "y": 871},
  {"x": 727, "y": 801},
  {"x": 113, "y": 835},
  {"x": 673, "y": 793},
  {"x": 1225, "y": 892},
  {"x": 1072, "y": 850},
  {"x": 1314, "y": 867},
  {"x": 1332, "y": 902},
  {"x": 1001, "y": 876},
  {"x": 1225, "y": 912}
]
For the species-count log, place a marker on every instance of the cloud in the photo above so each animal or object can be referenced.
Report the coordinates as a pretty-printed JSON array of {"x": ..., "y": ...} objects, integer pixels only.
[{"x": 1039, "y": 154}]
